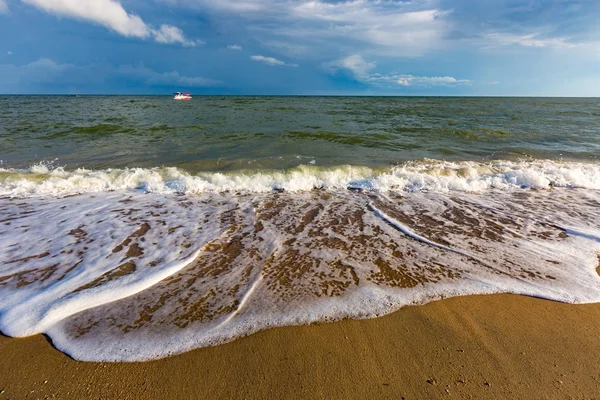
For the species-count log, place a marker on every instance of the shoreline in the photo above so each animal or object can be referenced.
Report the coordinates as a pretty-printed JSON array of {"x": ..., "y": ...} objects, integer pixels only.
[{"x": 501, "y": 345}]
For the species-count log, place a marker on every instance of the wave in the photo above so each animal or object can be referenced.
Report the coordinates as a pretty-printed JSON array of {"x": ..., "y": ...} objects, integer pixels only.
[
  {"x": 137, "y": 276},
  {"x": 425, "y": 175}
]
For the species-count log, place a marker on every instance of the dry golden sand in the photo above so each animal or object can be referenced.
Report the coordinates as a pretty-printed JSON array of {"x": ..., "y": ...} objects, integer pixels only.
[{"x": 499, "y": 346}]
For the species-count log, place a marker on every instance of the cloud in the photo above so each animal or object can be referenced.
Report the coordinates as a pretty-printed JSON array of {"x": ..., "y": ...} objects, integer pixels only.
[
  {"x": 42, "y": 71},
  {"x": 405, "y": 28},
  {"x": 48, "y": 71},
  {"x": 235, "y": 6},
  {"x": 153, "y": 78},
  {"x": 234, "y": 47},
  {"x": 172, "y": 34},
  {"x": 9, "y": 53},
  {"x": 361, "y": 70},
  {"x": 355, "y": 64},
  {"x": 108, "y": 13},
  {"x": 48, "y": 64},
  {"x": 547, "y": 23},
  {"x": 397, "y": 28},
  {"x": 271, "y": 61},
  {"x": 530, "y": 40},
  {"x": 111, "y": 15},
  {"x": 411, "y": 80},
  {"x": 293, "y": 50},
  {"x": 389, "y": 24},
  {"x": 3, "y": 7}
]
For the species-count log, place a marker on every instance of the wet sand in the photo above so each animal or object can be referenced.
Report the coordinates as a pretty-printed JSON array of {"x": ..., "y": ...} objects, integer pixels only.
[{"x": 498, "y": 346}]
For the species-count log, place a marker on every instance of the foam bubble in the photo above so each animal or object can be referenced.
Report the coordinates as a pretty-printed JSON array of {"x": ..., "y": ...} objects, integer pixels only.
[
  {"x": 123, "y": 276},
  {"x": 427, "y": 175}
]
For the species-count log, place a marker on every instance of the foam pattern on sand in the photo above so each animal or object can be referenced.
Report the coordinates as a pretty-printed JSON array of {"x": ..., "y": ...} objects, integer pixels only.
[{"x": 129, "y": 274}]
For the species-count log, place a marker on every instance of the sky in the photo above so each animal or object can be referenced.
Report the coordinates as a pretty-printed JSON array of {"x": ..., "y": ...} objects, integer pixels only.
[{"x": 301, "y": 47}]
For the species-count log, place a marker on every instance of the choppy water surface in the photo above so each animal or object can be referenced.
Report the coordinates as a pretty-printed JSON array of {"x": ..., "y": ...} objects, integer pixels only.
[
  {"x": 132, "y": 228},
  {"x": 229, "y": 133}
]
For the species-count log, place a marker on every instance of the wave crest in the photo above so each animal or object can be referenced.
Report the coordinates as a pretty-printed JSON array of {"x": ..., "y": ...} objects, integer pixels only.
[{"x": 425, "y": 175}]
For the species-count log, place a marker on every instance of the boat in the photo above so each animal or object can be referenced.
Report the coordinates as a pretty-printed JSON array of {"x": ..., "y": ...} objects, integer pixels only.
[{"x": 182, "y": 96}]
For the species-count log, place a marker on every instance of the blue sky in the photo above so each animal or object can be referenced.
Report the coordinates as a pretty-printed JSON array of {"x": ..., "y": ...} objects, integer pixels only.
[{"x": 369, "y": 47}]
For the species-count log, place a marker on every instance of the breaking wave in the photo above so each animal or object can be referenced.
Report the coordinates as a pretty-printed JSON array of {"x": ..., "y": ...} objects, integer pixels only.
[{"x": 426, "y": 175}]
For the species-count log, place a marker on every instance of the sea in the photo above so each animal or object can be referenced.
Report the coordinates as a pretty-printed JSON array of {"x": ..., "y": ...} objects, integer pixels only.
[{"x": 137, "y": 227}]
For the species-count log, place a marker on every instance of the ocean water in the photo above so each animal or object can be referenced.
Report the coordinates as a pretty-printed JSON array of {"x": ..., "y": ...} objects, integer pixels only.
[{"x": 133, "y": 228}]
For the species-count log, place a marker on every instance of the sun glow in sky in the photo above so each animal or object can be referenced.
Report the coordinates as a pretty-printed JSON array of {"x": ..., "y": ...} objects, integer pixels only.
[{"x": 357, "y": 47}]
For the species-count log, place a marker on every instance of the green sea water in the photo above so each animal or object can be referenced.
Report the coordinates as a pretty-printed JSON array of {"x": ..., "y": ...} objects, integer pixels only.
[{"x": 239, "y": 133}]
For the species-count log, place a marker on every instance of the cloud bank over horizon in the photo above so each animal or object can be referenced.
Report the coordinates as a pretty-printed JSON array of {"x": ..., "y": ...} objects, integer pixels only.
[{"x": 435, "y": 47}]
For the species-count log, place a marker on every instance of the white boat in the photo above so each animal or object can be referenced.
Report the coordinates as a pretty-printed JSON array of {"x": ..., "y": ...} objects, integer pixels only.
[{"x": 182, "y": 96}]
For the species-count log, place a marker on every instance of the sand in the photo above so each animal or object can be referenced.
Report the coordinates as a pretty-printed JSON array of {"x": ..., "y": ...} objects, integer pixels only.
[{"x": 498, "y": 346}]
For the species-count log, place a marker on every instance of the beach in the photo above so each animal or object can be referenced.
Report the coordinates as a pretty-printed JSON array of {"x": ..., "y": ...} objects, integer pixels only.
[
  {"x": 299, "y": 199},
  {"x": 495, "y": 346}
]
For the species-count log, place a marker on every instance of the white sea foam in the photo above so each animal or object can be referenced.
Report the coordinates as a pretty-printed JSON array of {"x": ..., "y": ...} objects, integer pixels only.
[
  {"x": 136, "y": 275},
  {"x": 78, "y": 258},
  {"x": 427, "y": 175}
]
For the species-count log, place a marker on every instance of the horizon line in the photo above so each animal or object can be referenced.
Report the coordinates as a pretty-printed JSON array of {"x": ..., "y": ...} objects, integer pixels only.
[{"x": 301, "y": 95}]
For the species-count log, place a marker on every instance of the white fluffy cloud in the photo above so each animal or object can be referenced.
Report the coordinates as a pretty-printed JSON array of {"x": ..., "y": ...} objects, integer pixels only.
[
  {"x": 234, "y": 47},
  {"x": 112, "y": 15},
  {"x": 108, "y": 13},
  {"x": 172, "y": 34},
  {"x": 3, "y": 7},
  {"x": 356, "y": 64},
  {"x": 361, "y": 70},
  {"x": 271, "y": 61}
]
